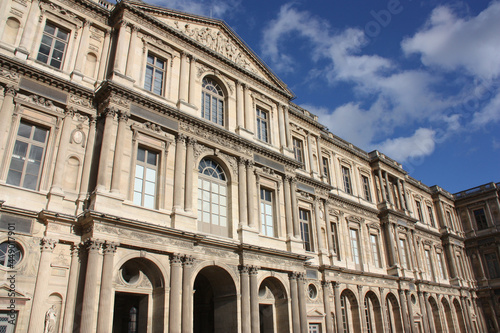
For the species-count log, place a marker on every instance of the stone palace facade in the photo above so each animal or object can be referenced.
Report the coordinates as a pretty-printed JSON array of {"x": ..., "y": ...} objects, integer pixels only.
[{"x": 156, "y": 177}]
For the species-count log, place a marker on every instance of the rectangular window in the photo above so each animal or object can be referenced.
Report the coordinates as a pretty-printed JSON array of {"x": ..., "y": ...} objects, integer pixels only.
[
  {"x": 353, "y": 233},
  {"x": 480, "y": 218},
  {"x": 266, "y": 212},
  {"x": 493, "y": 265},
  {"x": 419, "y": 211},
  {"x": 431, "y": 216},
  {"x": 430, "y": 269},
  {"x": 449, "y": 219},
  {"x": 262, "y": 125},
  {"x": 304, "y": 217},
  {"x": 441, "y": 265},
  {"x": 53, "y": 45},
  {"x": 27, "y": 158},
  {"x": 347, "y": 180},
  {"x": 314, "y": 328},
  {"x": 326, "y": 169},
  {"x": 404, "y": 253},
  {"x": 298, "y": 150},
  {"x": 145, "y": 178},
  {"x": 366, "y": 188},
  {"x": 375, "y": 250},
  {"x": 333, "y": 227},
  {"x": 6, "y": 320},
  {"x": 155, "y": 74}
]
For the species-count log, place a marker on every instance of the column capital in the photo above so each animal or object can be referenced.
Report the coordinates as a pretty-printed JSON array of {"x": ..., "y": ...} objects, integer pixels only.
[
  {"x": 181, "y": 138},
  {"x": 10, "y": 90},
  {"x": 110, "y": 112},
  {"x": 70, "y": 111},
  {"x": 191, "y": 141},
  {"x": 244, "y": 269},
  {"x": 176, "y": 259},
  {"x": 47, "y": 244},
  {"x": 123, "y": 116},
  {"x": 109, "y": 247},
  {"x": 336, "y": 285},
  {"x": 188, "y": 261},
  {"x": 93, "y": 245},
  {"x": 253, "y": 270},
  {"x": 360, "y": 288}
]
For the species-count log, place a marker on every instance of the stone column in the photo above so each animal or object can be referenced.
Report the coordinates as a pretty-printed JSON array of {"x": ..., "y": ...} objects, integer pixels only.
[
  {"x": 409, "y": 309},
  {"x": 295, "y": 302},
  {"x": 131, "y": 51},
  {"x": 328, "y": 227},
  {"x": 83, "y": 47},
  {"x": 105, "y": 310},
  {"x": 390, "y": 244},
  {"x": 389, "y": 192},
  {"x": 295, "y": 212},
  {"x": 338, "y": 306},
  {"x": 302, "y": 302},
  {"x": 362, "y": 319},
  {"x": 287, "y": 128},
  {"x": 249, "y": 112},
  {"x": 119, "y": 149},
  {"x": 187, "y": 296},
  {"x": 382, "y": 188},
  {"x": 245, "y": 300},
  {"x": 242, "y": 192},
  {"x": 451, "y": 259},
  {"x": 430, "y": 314},
  {"x": 103, "y": 61},
  {"x": 29, "y": 31},
  {"x": 6, "y": 112},
  {"x": 240, "y": 114},
  {"x": 326, "y": 304},
  {"x": 423, "y": 310},
  {"x": 69, "y": 308},
  {"x": 251, "y": 188},
  {"x": 107, "y": 141},
  {"x": 175, "y": 304},
  {"x": 183, "y": 81},
  {"x": 90, "y": 292},
  {"x": 188, "y": 187},
  {"x": 192, "y": 80},
  {"x": 179, "y": 171},
  {"x": 87, "y": 163},
  {"x": 121, "y": 48},
  {"x": 39, "y": 305},
  {"x": 466, "y": 314},
  {"x": 400, "y": 194},
  {"x": 281, "y": 123},
  {"x": 62, "y": 151},
  {"x": 403, "y": 184},
  {"x": 288, "y": 207},
  {"x": 310, "y": 153},
  {"x": 319, "y": 236},
  {"x": 254, "y": 299},
  {"x": 383, "y": 309}
]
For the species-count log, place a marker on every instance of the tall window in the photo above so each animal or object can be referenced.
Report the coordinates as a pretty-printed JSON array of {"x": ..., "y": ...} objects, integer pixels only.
[
  {"x": 266, "y": 212},
  {"x": 27, "y": 157},
  {"x": 368, "y": 315},
  {"x": 212, "y": 102},
  {"x": 326, "y": 169},
  {"x": 353, "y": 233},
  {"x": 441, "y": 265},
  {"x": 404, "y": 253},
  {"x": 333, "y": 227},
  {"x": 449, "y": 219},
  {"x": 343, "y": 310},
  {"x": 492, "y": 264},
  {"x": 53, "y": 45},
  {"x": 155, "y": 74},
  {"x": 347, "y": 179},
  {"x": 375, "y": 250},
  {"x": 366, "y": 188},
  {"x": 212, "y": 198},
  {"x": 430, "y": 269},
  {"x": 262, "y": 125},
  {"x": 419, "y": 211},
  {"x": 298, "y": 150},
  {"x": 480, "y": 218},
  {"x": 145, "y": 178},
  {"x": 431, "y": 216},
  {"x": 305, "y": 233}
]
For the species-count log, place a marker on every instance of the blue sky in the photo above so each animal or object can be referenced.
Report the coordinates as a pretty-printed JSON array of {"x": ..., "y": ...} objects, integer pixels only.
[{"x": 417, "y": 80}]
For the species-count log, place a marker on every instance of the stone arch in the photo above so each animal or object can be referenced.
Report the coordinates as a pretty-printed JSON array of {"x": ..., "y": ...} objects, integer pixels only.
[
  {"x": 140, "y": 295},
  {"x": 448, "y": 314},
  {"x": 350, "y": 311},
  {"x": 11, "y": 31},
  {"x": 393, "y": 313},
  {"x": 273, "y": 306},
  {"x": 214, "y": 301},
  {"x": 373, "y": 312},
  {"x": 459, "y": 315},
  {"x": 54, "y": 311},
  {"x": 435, "y": 315}
]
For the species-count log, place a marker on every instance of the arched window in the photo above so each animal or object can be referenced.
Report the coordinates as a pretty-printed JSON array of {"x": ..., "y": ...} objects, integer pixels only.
[
  {"x": 11, "y": 31},
  {"x": 212, "y": 102},
  {"x": 212, "y": 198}
]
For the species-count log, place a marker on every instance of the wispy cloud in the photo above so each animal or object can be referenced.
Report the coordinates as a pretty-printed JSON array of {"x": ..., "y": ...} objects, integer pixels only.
[
  {"x": 216, "y": 9},
  {"x": 389, "y": 96}
]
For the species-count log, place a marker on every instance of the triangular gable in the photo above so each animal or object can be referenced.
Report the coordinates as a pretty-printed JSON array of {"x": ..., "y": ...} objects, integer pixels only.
[
  {"x": 6, "y": 292},
  {"x": 315, "y": 313},
  {"x": 215, "y": 35}
]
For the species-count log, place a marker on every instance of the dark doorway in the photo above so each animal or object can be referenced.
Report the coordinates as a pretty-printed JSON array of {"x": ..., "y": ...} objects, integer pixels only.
[
  {"x": 266, "y": 318},
  {"x": 130, "y": 313},
  {"x": 203, "y": 305}
]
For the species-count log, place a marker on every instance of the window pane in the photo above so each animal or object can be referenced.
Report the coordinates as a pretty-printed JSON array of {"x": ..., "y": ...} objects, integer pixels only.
[
  {"x": 148, "y": 80},
  {"x": 137, "y": 198},
  {"x": 62, "y": 34},
  {"x": 50, "y": 29},
  {"x": 149, "y": 201},
  {"x": 149, "y": 188},
  {"x": 139, "y": 171},
  {"x": 40, "y": 134},
  {"x": 150, "y": 175}
]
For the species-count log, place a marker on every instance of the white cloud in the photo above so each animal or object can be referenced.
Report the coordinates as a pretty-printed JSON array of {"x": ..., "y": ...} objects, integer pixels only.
[
  {"x": 216, "y": 9},
  {"x": 420, "y": 144},
  {"x": 490, "y": 113},
  {"x": 452, "y": 43}
]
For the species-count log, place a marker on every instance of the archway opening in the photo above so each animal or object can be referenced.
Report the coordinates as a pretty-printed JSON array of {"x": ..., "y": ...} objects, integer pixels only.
[
  {"x": 393, "y": 314},
  {"x": 215, "y": 301},
  {"x": 435, "y": 315},
  {"x": 273, "y": 306},
  {"x": 373, "y": 313}
]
